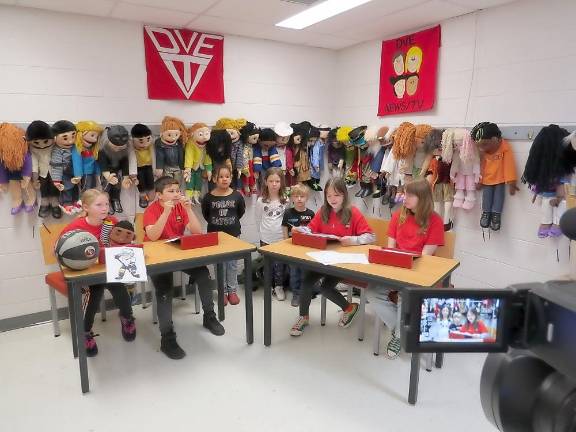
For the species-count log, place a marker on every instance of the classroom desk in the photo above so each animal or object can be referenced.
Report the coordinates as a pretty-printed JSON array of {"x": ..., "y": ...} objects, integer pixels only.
[
  {"x": 162, "y": 257},
  {"x": 427, "y": 271}
]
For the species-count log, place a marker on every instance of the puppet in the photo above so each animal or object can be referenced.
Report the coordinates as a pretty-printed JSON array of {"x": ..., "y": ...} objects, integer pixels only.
[
  {"x": 169, "y": 148},
  {"x": 465, "y": 170},
  {"x": 236, "y": 153},
  {"x": 265, "y": 154},
  {"x": 197, "y": 163},
  {"x": 85, "y": 154},
  {"x": 145, "y": 160},
  {"x": 299, "y": 144},
  {"x": 249, "y": 135},
  {"x": 336, "y": 154},
  {"x": 283, "y": 132},
  {"x": 61, "y": 169}
]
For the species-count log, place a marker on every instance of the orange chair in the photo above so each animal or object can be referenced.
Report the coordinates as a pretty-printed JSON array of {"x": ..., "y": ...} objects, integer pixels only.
[{"x": 55, "y": 280}]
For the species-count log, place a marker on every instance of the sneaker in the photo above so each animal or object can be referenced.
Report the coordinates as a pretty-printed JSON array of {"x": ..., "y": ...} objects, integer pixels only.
[
  {"x": 485, "y": 219},
  {"x": 233, "y": 298},
  {"x": 278, "y": 291},
  {"x": 495, "y": 222},
  {"x": 225, "y": 299},
  {"x": 347, "y": 317},
  {"x": 295, "y": 300},
  {"x": 543, "y": 231},
  {"x": 298, "y": 328},
  {"x": 393, "y": 349},
  {"x": 555, "y": 231},
  {"x": 128, "y": 329},
  {"x": 90, "y": 344},
  {"x": 211, "y": 323},
  {"x": 170, "y": 347}
]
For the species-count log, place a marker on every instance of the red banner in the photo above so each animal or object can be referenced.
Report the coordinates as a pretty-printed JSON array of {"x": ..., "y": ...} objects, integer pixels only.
[
  {"x": 408, "y": 68},
  {"x": 184, "y": 64}
]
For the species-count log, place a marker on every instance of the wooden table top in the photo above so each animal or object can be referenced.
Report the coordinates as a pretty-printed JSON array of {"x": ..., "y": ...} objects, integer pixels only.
[
  {"x": 427, "y": 270},
  {"x": 160, "y": 252}
]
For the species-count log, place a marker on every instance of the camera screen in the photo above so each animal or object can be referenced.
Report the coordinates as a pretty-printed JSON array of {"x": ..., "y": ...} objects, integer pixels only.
[{"x": 459, "y": 320}]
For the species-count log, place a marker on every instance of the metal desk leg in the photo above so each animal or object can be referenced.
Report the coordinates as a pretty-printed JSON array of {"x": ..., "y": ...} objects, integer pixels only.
[
  {"x": 267, "y": 301},
  {"x": 220, "y": 283},
  {"x": 248, "y": 298},
  {"x": 362, "y": 313},
  {"x": 76, "y": 295},
  {"x": 71, "y": 315},
  {"x": 439, "y": 360},
  {"x": 414, "y": 377}
]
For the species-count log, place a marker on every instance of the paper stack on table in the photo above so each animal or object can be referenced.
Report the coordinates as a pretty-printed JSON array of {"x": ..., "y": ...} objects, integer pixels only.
[{"x": 331, "y": 258}]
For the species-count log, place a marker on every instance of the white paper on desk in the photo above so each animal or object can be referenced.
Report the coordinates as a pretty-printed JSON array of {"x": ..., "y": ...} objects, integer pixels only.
[
  {"x": 125, "y": 264},
  {"x": 331, "y": 258}
]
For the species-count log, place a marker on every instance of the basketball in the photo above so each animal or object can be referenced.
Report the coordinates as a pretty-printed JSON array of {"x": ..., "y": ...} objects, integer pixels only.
[{"x": 77, "y": 250}]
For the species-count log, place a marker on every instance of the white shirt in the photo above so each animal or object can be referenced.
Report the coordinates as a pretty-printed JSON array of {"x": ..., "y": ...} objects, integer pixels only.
[{"x": 269, "y": 220}]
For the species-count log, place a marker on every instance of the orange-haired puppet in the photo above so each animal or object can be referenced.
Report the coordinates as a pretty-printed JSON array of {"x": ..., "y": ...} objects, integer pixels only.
[
  {"x": 85, "y": 154},
  {"x": 16, "y": 168},
  {"x": 169, "y": 148}
]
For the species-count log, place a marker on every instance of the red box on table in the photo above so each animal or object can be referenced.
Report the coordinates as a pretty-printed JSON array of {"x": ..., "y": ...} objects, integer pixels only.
[
  {"x": 392, "y": 257},
  {"x": 308, "y": 240},
  {"x": 194, "y": 241}
]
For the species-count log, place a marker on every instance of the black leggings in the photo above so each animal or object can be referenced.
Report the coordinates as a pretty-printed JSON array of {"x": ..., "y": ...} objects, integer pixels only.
[
  {"x": 120, "y": 296},
  {"x": 327, "y": 288}
]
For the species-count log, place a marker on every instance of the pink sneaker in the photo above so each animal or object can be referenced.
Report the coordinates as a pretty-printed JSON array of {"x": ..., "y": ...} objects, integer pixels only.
[
  {"x": 90, "y": 344},
  {"x": 128, "y": 329}
]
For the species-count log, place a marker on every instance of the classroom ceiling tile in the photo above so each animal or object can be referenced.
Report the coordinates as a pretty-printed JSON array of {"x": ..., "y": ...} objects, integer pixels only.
[
  {"x": 257, "y": 11},
  {"x": 211, "y": 24},
  {"x": 192, "y": 6},
  {"x": 7, "y": 2},
  {"x": 151, "y": 15},
  {"x": 84, "y": 7}
]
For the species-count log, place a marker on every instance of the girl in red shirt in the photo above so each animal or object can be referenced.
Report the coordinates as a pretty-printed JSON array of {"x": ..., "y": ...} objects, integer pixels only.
[
  {"x": 95, "y": 220},
  {"x": 474, "y": 327},
  {"x": 338, "y": 218},
  {"x": 415, "y": 227}
]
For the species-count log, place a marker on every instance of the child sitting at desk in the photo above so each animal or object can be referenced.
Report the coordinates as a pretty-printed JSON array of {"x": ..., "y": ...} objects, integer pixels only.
[
  {"x": 168, "y": 217},
  {"x": 336, "y": 217},
  {"x": 416, "y": 228}
]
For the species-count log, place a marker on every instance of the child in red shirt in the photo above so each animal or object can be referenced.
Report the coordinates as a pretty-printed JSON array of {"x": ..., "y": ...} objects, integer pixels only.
[
  {"x": 415, "y": 227},
  {"x": 95, "y": 220},
  {"x": 473, "y": 327},
  {"x": 168, "y": 217},
  {"x": 338, "y": 218}
]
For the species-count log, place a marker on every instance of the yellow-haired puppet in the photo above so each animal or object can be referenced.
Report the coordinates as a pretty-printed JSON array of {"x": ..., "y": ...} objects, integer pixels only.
[
  {"x": 349, "y": 151},
  {"x": 233, "y": 127},
  {"x": 16, "y": 168},
  {"x": 85, "y": 154},
  {"x": 169, "y": 148},
  {"x": 197, "y": 162}
]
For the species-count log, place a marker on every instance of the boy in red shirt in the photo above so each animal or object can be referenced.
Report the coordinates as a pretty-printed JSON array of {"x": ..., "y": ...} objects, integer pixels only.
[{"x": 168, "y": 217}]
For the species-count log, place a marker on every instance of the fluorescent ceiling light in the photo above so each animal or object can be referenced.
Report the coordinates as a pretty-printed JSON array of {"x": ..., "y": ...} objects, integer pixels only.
[{"x": 320, "y": 12}]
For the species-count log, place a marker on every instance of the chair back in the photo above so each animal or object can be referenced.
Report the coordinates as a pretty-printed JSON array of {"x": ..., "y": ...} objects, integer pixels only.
[
  {"x": 139, "y": 227},
  {"x": 49, "y": 235}
]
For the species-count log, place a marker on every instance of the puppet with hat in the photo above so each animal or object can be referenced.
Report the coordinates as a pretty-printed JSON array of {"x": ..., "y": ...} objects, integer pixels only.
[
  {"x": 317, "y": 144},
  {"x": 546, "y": 172},
  {"x": 497, "y": 169},
  {"x": 354, "y": 168},
  {"x": 16, "y": 168},
  {"x": 375, "y": 137},
  {"x": 61, "y": 168},
  {"x": 233, "y": 127},
  {"x": 343, "y": 141},
  {"x": 265, "y": 153},
  {"x": 141, "y": 138},
  {"x": 85, "y": 154},
  {"x": 197, "y": 162},
  {"x": 117, "y": 165},
  {"x": 249, "y": 135},
  {"x": 336, "y": 154},
  {"x": 169, "y": 148},
  {"x": 40, "y": 140},
  {"x": 283, "y": 132},
  {"x": 299, "y": 144}
]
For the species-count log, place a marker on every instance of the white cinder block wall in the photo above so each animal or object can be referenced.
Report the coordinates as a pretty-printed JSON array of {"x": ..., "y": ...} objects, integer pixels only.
[
  {"x": 512, "y": 65},
  {"x": 61, "y": 66}
]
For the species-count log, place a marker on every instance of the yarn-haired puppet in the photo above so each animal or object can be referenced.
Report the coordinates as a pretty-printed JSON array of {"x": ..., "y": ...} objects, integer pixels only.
[
  {"x": 233, "y": 127},
  {"x": 219, "y": 148},
  {"x": 115, "y": 162},
  {"x": 145, "y": 161},
  {"x": 546, "y": 172},
  {"x": 299, "y": 144},
  {"x": 497, "y": 169},
  {"x": 349, "y": 152},
  {"x": 265, "y": 154},
  {"x": 169, "y": 148},
  {"x": 61, "y": 168},
  {"x": 371, "y": 170},
  {"x": 197, "y": 162},
  {"x": 465, "y": 170},
  {"x": 336, "y": 154},
  {"x": 283, "y": 132},
  {"x": 16, "y": 169},
  {"x": 40, "y": 140},
  {"x": 85, "y": 154},
  {"x": 249, "y": 135}
]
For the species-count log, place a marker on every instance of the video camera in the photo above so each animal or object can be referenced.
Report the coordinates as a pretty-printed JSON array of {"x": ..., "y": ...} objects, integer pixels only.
[{"x": 528, "y": 381}]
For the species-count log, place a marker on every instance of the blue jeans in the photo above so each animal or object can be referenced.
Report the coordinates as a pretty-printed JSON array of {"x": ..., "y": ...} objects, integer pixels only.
[
  {"x": 230, "y": 274},
  {"x": 493, "y": 198},
  {"x": 277, "y": 271},
  {"x": 295, "y": 280}
]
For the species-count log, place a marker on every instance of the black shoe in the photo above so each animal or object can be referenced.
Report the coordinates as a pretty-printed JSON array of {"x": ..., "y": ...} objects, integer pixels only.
[
  {"x": 56, "y": 212},
  {"x": 485, "y": 219},
  {"x": 385, "y": 197},
  {"x": 448, "y": 226},
  {"x": 44, "y": 211},
  {"x": 117, "y": 206},
  {"x": 317, "y": 187},
  {"x": 378, "y": 194},
  {"x": 211, "y": 323},
  {"x": 143, "y": 202},
  {"x": 170, "y": 347},
  {"x": 366, "y": 192},
  {"x": 360, "y": 192},
  {"x": 495, "y": 222}
]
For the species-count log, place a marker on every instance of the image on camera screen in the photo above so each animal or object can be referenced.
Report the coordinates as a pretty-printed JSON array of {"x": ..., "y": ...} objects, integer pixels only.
[{"x": 459, "y": 320}]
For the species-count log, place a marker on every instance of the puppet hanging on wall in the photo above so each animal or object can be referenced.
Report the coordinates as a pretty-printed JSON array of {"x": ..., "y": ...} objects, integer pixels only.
[
  {"x": 349, "y": 153},
  {"x": 197, "y": 163},
  {"x": 316, "y": 155},
  {"x": 299, "y": 144},
  {"x": 375, "y": 137},
  {"x": 115, "y": 162},
  {"x": 465, "y": 170},
  {"x": 40, "y": 140},
  {"x": 85, "y": 154},
  {"x": 236, "y": 153},
  {"x": 283, "y": 132},
  {"x": 546, "y": 172},
  {"x": 145, "y": 161},
  {"x": 61, "y": 169},
  {"x": 16, "y": 169},
  {"x": 249, "y": 134},
  {"x": 169, "y": 149},
  {"x": 265, "y": 154},
  {"x": 219, "y": 149},
  {"x": 497, "y": 169},
  {"x": 336, "y": 154}
]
